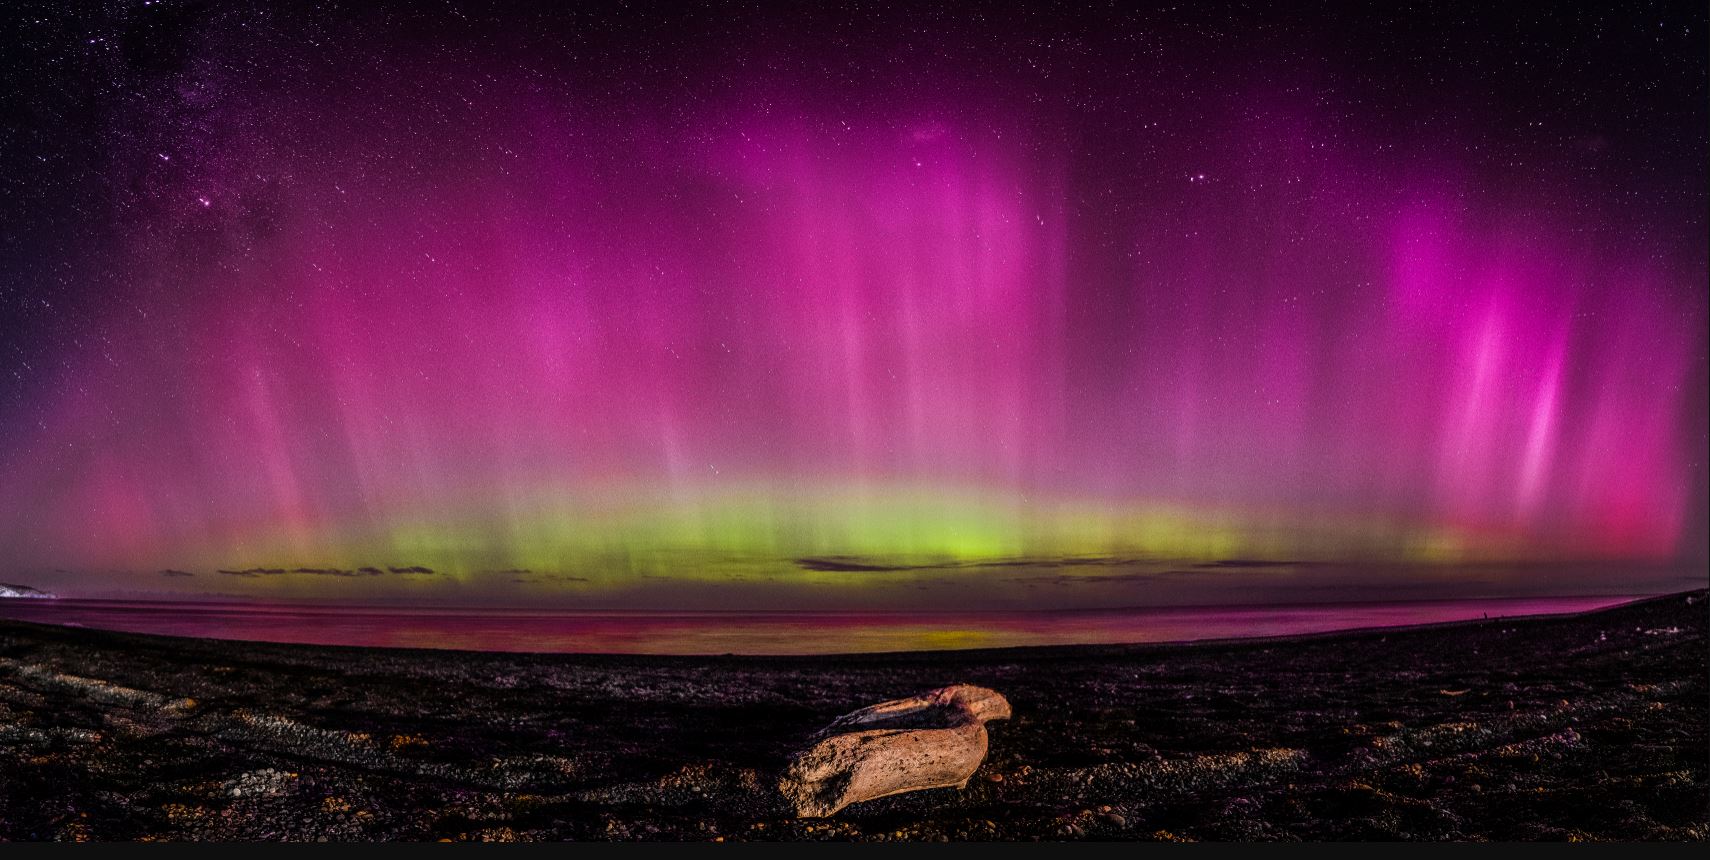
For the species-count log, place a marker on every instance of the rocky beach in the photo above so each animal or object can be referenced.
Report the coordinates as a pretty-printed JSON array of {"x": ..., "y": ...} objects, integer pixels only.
[{"x": 1585, "y": 727}]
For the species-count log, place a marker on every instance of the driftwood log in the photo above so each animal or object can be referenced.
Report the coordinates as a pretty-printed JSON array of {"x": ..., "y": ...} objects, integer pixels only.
[{"x": 935, "y": 740}]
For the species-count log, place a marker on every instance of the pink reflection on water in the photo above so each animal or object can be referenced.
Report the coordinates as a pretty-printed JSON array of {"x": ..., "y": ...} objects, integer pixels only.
[{"x": 754, "y": 633}]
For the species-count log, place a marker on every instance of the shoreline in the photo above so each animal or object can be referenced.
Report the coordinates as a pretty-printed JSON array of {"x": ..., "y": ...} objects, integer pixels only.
[
  {"x": 1113, "y": 647},
  {"x": 1585, "y": 726}
]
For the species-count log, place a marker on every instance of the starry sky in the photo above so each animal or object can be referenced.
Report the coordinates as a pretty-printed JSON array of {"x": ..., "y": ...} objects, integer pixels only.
[{"x": 604, "y": 304}]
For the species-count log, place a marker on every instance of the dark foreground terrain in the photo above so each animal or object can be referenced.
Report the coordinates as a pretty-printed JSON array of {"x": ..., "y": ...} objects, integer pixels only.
[{"x": 1587, "y": 727}]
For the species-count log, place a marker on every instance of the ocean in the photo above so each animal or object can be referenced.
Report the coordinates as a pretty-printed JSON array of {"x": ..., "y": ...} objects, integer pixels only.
[{"x": 754, "y": 633}]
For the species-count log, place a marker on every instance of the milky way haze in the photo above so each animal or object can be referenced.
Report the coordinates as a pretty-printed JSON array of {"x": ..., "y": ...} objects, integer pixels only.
[{"x": 599, "y": 306}]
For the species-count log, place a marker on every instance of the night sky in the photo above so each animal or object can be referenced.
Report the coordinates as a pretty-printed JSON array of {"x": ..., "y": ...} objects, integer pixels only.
[{"x": 600, "y": 304}]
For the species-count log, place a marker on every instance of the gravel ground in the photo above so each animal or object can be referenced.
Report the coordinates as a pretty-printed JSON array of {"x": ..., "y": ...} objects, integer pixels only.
[{"x": 1587, "y": 727}]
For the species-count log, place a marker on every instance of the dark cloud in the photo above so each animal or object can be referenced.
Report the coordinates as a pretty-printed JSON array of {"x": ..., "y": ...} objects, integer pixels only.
[
  {"x": 255, "y": 571},
  {"x": 840, "y": 565},
  {"x": 337, "y": 571},
  {"x": 170, "y": 572},
  {"x": 1249, "y": 563},
  {"x": 279, "y": 571},
  {"x": 318, "y": 571}
]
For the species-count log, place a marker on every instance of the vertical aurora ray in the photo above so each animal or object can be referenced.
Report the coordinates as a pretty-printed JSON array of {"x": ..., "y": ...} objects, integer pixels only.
[{"x": 387, "y": 323}]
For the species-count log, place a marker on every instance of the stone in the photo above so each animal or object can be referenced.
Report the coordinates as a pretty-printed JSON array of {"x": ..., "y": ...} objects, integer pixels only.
[{"x": 934, "y": 740}]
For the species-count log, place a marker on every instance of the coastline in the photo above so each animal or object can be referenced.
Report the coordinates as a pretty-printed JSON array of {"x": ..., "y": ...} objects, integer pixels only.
[
  {"x": 1583, "y": 726},
  {"x": 774, "y": 633}
]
